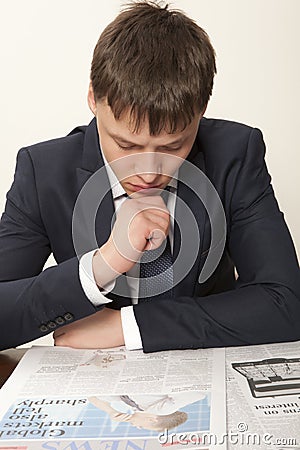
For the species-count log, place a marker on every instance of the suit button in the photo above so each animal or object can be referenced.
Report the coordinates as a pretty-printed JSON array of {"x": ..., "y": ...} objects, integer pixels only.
[
  {"x": 60, "y": 320},
  {"x": 68, "y": 317},
  {"x": 43, "y": 328},
  {"x": 51, "y": 325}
]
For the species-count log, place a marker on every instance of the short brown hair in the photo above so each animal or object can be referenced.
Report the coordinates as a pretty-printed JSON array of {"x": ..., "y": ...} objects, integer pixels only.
[{"x": 155, "y": 63}]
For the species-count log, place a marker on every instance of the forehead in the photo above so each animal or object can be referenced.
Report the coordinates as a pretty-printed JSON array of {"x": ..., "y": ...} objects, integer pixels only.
[{"x": 125, "y": 127}]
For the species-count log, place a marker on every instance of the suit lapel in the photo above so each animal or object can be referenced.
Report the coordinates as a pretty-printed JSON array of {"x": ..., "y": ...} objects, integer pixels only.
[
  {"x": 98, "y": 216},
  {"x": 93, "y": 176},
  {"x": 183, "y": 228}
]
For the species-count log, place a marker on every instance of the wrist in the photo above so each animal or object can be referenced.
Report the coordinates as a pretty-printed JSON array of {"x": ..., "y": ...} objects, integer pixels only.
[
  {"x": 103, "y": 271},
  {"x": 108, "y": 264}
]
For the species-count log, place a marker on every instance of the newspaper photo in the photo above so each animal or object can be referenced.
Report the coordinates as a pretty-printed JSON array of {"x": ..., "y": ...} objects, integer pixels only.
[
  {"x": 100, "y": 399},
  {"x": 263, "y": 395}
]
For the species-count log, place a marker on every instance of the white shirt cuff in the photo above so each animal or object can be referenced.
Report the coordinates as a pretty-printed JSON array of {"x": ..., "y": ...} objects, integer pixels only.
[
  {"x": 131, "y": 332},
  {"x": 95, "y": 294}
]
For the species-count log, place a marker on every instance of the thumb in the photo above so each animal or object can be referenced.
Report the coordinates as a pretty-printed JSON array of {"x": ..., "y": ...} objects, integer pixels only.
[{"x": 155, "y": 239}]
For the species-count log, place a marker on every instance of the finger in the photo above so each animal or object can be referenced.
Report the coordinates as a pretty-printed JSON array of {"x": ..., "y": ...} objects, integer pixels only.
[
  {"x": 156, "y": 201},
  {"x": 155, "y": 240},
  {"x": 58, "y": 333},
  {"x": 158, "y": 220},
  {"x": 60, "y": 341},
  {"x": 139, "y": 210},
  {"x": 147, "y": 193},
  {"x": 153, "y": 214},
  {"x": 157, "y": 212}
]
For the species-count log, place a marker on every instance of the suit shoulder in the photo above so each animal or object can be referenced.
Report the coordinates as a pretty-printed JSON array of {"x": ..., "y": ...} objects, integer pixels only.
[
  {"x": 215, "y": 125},
  {"x": 225, "y": 139},
  {"x": 68, "y": 148}
]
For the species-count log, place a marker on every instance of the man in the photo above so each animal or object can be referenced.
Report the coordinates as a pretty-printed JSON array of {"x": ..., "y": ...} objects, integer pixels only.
[
  {"x": 151, "y": 79},
  {"x": 159, "y": 404},
  {"x": 153, "y": 412}
]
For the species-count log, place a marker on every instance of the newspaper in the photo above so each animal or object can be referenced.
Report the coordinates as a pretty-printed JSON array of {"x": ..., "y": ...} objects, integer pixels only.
[
  {"x": 61, "y": 398},
  {"x": 263, "y": 396}
]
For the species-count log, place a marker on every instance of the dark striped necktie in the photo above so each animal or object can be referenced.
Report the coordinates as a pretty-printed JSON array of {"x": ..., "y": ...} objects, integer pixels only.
[{"x": 156, "y": 272}]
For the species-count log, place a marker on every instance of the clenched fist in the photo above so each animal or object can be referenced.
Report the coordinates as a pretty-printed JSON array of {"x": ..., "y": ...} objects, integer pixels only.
[{"x": 142, "y": 224}]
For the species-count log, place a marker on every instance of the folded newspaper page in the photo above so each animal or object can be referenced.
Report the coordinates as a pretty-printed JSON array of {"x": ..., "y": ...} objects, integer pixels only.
[
  {"x": 263, "y": 396},
  {"x": 59, "y": 399}
]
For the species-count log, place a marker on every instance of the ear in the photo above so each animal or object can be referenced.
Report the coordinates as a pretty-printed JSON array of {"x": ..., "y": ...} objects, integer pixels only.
[{"x": 91, "y": 99}]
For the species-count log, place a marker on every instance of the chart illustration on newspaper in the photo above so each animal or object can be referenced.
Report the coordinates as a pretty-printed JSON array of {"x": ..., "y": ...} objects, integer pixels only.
[{"x": 63, "y": 395}]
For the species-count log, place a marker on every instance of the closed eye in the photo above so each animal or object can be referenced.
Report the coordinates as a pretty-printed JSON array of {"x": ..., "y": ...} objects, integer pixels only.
[
  {"x": 127, "y": 147},
  {"x": 171, "y": 149}
]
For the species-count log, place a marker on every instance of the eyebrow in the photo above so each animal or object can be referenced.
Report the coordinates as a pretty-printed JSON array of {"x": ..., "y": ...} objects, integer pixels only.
[{"x": 125, "y": 141}]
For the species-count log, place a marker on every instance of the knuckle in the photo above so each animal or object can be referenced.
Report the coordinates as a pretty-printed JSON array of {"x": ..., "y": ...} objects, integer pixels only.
[
  {"x": 59, "y": 342},
  {"x": 139, "y": 219}
]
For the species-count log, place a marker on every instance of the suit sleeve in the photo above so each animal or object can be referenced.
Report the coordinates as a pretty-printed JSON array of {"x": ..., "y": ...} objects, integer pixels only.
[
  {"x": 265, "y": 306},
  {"x": 33, "y": 302}
]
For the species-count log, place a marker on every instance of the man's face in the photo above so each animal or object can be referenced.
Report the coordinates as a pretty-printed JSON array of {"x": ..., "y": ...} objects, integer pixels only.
[{"x": 153, "y": 163}]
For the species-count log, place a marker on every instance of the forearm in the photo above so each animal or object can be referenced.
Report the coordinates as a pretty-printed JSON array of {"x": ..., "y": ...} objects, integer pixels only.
[
  {"x": 33, "y": 306},
  {"x": 250, "y": 315},
  {"x": 100, "y": 330}
]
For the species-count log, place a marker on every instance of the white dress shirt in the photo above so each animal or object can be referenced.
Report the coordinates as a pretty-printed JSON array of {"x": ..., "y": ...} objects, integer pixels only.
[{"x": 97, "y": 295}]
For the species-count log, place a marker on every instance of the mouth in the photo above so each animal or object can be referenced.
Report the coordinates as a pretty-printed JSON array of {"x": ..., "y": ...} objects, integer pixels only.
[{"x": 140, "y": 187}]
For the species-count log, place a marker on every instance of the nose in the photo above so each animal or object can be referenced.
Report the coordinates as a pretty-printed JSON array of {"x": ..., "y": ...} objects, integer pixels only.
[
  {"x": 148, "y": 166},
  {"x": 148, "y": 178}
]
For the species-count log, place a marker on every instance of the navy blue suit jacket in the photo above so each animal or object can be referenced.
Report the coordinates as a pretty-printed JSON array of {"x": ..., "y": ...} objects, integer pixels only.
[{"x": 262, "y": 305}]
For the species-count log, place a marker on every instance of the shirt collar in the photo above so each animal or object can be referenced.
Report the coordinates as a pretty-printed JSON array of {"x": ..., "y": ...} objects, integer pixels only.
[{"x": 117, "y": 188}]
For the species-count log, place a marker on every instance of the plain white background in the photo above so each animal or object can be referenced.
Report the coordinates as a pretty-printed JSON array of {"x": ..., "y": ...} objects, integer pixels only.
[{"x": 46, "y": 48}]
